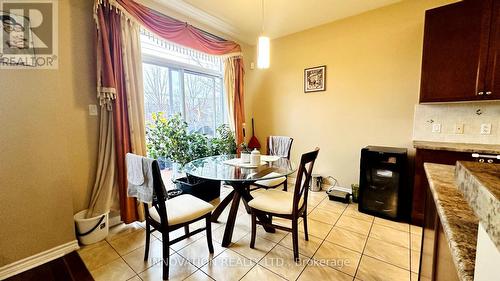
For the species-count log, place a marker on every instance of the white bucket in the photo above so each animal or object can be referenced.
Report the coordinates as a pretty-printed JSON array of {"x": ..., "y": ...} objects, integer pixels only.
[{"x": 91, "y": 230}]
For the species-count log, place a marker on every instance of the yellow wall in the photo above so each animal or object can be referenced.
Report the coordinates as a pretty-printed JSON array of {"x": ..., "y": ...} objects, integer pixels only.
[
  {"x": 373, "y": 74},
  {"x": 48, "y": 143}
]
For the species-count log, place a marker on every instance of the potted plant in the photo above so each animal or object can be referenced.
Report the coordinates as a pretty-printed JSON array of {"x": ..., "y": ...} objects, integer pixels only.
[{"x": 170, "y": 139}]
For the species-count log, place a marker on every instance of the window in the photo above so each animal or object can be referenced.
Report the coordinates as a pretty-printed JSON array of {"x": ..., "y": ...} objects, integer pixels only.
[{"x": 181, "y": 80}]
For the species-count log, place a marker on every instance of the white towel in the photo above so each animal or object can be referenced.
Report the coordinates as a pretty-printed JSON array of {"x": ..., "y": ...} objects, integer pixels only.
[
  {"x": 140, "y": 177},
  {"x": 279, "y": 145}
]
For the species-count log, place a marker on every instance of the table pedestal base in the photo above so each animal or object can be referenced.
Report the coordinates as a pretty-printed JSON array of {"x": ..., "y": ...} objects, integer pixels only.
[{"x": 241, "y": 191}]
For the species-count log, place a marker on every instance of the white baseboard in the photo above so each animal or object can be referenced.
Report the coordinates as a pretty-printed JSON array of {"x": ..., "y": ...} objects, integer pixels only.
[{"x": 19, "y": 266}]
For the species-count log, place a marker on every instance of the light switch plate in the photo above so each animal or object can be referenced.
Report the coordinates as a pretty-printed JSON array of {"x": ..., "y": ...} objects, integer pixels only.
[
  {"x": 92, "y": 109},
  {"x": 436, "y": 128},
  {"x": 486, "y": 129},
  {"x": 459, "y": 128}
]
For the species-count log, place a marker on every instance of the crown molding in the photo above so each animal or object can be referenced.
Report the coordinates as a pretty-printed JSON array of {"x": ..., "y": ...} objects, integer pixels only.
[{"x": 192, "y": 12}]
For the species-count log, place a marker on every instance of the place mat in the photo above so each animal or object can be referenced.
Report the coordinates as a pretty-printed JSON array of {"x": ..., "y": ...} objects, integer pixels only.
[{"x": 237, "y": 162}]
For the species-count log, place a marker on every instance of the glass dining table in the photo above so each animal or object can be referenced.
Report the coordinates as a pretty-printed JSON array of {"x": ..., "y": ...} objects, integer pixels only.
[{"x": 228, "y": 169}]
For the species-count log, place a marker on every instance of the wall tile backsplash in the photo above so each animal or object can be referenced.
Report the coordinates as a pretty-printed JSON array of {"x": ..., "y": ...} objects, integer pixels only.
[{"x": 471, "y": 115}]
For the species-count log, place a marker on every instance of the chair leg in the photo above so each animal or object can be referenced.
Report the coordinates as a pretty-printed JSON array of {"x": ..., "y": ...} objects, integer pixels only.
[
  {"x": 148, "y": 234},
  {"x": 295, "y": 240},
  {"x": 209, "y": 235},
  {"x": 285, "y": 185},
  {"x": 166, "y": 254},
  {"x": 186, "y": 229},
  {"x": 306, "y": 234},
  {"x": 254, "y": 231}
]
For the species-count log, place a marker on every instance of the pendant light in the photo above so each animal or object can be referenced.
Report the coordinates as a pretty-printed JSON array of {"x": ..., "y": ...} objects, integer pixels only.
[{"x": 263, "y": 47}]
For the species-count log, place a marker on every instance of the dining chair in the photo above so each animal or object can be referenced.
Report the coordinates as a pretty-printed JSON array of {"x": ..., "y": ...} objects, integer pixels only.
[
  {"x": 277, "y": 146},
  {"x": 287, "y": 205},
  {"x": 166, "y": 215}
]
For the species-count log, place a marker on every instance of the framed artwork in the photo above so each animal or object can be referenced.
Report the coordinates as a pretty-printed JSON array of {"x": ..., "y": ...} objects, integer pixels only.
[{"x": 315, "y": 79}]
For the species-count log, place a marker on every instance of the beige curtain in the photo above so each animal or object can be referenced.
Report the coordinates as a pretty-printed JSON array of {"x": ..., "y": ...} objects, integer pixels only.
[
  {"x": 134, "y": 89},
  {"x": 229, "y": 84},
  {"x": 132, "y": 68},
  {"x": 104, "y": 190}
]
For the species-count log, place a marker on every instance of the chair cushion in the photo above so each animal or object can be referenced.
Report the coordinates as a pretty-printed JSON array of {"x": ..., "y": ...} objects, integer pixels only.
[
  {"x": 183, "y": 208},
  {"x": 271, "y": 182},
  {"x": 274, "y": 201}
]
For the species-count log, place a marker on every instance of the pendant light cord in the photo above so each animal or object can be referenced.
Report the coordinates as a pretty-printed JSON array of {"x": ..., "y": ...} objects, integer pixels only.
[{"x": 262, "y": 22}]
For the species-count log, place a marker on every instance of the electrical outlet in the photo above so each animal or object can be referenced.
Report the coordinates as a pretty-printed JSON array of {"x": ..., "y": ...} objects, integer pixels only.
[
  {"x": 436, "y": 128},
  {"x": 459, "y": 128},
  {"x": 486, "y": 129},
  {"x": 92, "y": 109}
]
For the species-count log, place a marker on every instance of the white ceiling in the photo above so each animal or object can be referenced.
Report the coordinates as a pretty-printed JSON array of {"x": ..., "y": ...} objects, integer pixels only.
[{"x": 241, "y": 19}]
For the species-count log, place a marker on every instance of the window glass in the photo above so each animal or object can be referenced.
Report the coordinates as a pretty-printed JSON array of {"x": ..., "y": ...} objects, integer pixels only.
[{"x": 178, "y": 80}]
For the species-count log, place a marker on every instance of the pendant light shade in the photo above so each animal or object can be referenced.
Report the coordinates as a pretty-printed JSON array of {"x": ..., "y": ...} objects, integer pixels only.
[
  {"x": 263, "y": 46},
  {"x": 263, "y": 52}
]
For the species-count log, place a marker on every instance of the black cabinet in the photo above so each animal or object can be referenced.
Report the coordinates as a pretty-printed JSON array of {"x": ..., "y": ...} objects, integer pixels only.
[{"x": 383, "y": 184}]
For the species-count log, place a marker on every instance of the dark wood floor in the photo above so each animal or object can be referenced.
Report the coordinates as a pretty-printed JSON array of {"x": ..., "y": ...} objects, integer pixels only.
[{"x": 69, "y": 267}]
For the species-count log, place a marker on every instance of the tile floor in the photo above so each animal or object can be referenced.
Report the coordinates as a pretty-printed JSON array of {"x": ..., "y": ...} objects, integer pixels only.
[{"x": 344, "y": 244}]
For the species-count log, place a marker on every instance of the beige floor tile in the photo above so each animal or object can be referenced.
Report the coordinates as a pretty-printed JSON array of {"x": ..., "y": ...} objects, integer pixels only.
[
  {"x": 228, "y": 266},
  {"x": 244, "y": 222},
  {"x": 393, "y": 224},
  {"x": 416, "y": 229},
  {"x": 259, "y": 272},
  {"x": 390, "y": 235},
  {"x": 197, "y": 253},
  {"x": 338, "y": 257},
  {"x": 354, "y": 213},
  {"x": 306, "y": 248},
  {"x": 355, "y": 225},
  {"x": 334, "y": 206},
  {"x": 324, "y": 215},
  {"x": 129, "y": 242},
  {"x": 387, "y": 252},
  {"x": 322, "y": 272},
  {"x": 122, "y": 229},
  {"x": 100, "y": 254},
  {"x": 314, "y": 198},
  {"x": 238, "y": 233},
  {"x": 414, "y": 276},
  {"x": 117, "y": 270},
  {"x": 415, "y": 261},
  {"x": 275, "y": 237},
  {"x": 371, "y": 269},
  {"x": 135, "y": 278},
  {"x": 317, "y": 196},
  {"x": 347, "y": 238},
  {"x": 262, "y": 247},
  {"x": 280, "y": 260},
  {"x": 316, "y": 228},
  {"x": 135, "y": 259},
  {"x": 416, "y": 242},
  {"x": 179, "y": 269},
  {"x": 198, "y": 276}
]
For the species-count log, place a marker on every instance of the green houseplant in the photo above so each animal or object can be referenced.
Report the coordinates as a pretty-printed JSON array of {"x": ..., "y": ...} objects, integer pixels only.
[{"x": 170, "y": 140}]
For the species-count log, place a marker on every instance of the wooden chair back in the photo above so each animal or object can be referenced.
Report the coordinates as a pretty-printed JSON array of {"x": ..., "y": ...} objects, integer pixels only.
[
  {"x": 303, "y": 178},
  {"x": 159, "y": 196}
]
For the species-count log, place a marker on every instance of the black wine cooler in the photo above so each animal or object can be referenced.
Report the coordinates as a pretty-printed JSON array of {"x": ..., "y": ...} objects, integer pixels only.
[{"x": 383, "y": 183}]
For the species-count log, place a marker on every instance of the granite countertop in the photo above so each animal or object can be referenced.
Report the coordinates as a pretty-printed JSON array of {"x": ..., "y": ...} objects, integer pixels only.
[
  {"x": 480, "y": 185},
  {"x": 459, "y": 147},
  {"x": 460, "y": 225}
]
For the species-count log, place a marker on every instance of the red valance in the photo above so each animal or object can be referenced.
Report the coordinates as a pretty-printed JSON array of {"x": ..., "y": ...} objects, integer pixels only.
[{"x": 174, "y": 30}]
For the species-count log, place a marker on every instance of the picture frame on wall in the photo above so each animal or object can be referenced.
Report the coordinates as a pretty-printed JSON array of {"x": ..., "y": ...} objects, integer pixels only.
[{"x": 315, "y": 79}]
